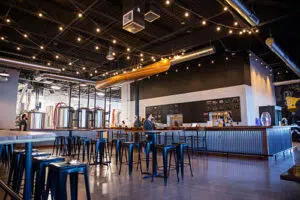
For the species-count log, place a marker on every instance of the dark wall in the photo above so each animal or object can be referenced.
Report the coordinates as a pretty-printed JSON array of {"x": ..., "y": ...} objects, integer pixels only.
[{"x": 223, "y": 73}]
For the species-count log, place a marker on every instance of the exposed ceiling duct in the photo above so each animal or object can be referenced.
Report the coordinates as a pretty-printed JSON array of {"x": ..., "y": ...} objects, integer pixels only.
[
  {"x": 286, "y": 82},
  {"x": 240, "y": 8},
  {"x": 133, "y": 15},
  {"x": 277, "y": 50},
  {"x": 25, "y": 65},
  {"x": 194, "y": 55},
  {"x": 67, "y": 79},
  {"x": 152, "y": 69}
]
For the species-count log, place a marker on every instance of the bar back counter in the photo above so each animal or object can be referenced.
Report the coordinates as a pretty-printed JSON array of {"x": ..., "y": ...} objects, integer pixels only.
[{"x": 248, "y": 140}]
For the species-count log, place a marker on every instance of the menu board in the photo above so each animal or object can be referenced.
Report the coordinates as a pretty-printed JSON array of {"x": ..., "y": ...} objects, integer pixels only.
[{"x": 197, "y": 111}]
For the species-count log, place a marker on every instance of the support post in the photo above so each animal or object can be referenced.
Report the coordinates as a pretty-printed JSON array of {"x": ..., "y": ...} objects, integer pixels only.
[{"x": 28, "y": 171}]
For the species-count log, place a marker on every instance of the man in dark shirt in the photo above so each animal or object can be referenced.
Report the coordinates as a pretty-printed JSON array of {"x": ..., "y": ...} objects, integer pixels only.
[
  {"x": 23, "y": 123},
  {"x": 148, "y": 125}
]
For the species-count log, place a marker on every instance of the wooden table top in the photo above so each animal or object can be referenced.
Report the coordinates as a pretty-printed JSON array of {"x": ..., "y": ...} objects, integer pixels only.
[{"x": 12, "y": 137}]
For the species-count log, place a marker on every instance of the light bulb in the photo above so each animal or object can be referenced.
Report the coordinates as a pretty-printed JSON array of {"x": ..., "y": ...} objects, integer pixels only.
[
  {"x": 167, "y": 2},
  {"x": 60, "y": 28},
  {"x": 2, "y": 38},
  {"x": 241, "y": 32},
  {"x": 142, "y": 59},
  {"x": 33, "y": 57},
  {"x": 77, "y": 72},
  {"x": 227, "y": 58},
  {"x": 203, "y": 22},
  {"x": 96, "y": 71},
  {"x": 40, "y": 14},
  {"x": 83, "y": 68},
  {"x": 114, "y": 41},
  {"x": 57, "y": 57},
  {"x": 236, "y": 23},
  {"x": 244, "y": 30},
  {"x": 128, "y": 49},
  {"x": 218, "y": 28},
  {"x": 256, "y": 31},
  {"x": 42, "y": 47},
  {"x": 79, "y": 15},
  {"x": 141, "y": 55},
  {"x": 48, "y": 64},
  {"x": 176, "y": 70},
  {"x": 199, "y": 64},
  {"x": 113, "y": 53},
  {"x": 25, "y": 35},
  {"x": 128, "y": 57},
  {"x": 212, "y": 62},
  {"x": 78, "y": 39},
  {"x": 186, "y": 14},
  {"x": 8, "y": 20},
  {"x": 225, "y": 8},
  {"x": 18, "y": 48},
  {"x": 91, "y": 74},
  {"x": 98, "y": 30},
  {"x": 63, "y": 69},
  {"x": 97, "y": 47},
  {"x": 230, "y": 31},
  {"x": 70, "y": 63}
]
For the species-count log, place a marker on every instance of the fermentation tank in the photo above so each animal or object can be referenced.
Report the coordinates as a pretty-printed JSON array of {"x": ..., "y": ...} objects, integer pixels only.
[
  {"x": 99, "y": 118},
  {"x": 83, "y": 118},
  {"x": 64, "y": 117},
  {"x": 36, "y": 120}
]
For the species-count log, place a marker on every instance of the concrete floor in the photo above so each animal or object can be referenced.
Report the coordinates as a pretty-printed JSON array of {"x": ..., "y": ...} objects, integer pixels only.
[{"x": 214, "y": 178}]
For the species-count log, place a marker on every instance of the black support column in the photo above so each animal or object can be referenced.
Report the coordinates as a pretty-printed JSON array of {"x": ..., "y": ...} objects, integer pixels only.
[{"x": 137, "y": 98}]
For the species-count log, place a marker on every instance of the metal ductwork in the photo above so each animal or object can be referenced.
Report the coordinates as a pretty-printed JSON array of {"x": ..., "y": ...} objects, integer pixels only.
[
  {"x": 194, "y": 55},
  {"x": 67, "y": 79},
  {"x": 240, "y": 8},
  {"x": 286, "y": 82},
  {"x": 25, "y": 65},
  {"x": 277, "y": 50}
]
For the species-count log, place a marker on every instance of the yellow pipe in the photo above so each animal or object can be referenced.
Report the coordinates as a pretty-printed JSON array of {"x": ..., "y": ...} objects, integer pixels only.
[{"x": 149, "y": 70}]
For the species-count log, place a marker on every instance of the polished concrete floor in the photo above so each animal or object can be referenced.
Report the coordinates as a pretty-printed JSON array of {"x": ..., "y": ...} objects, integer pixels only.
[{"x": 214, "y": 178}]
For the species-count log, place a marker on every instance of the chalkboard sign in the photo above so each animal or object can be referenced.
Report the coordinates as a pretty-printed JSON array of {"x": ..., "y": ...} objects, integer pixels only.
[{"x": 197, "y": 111}]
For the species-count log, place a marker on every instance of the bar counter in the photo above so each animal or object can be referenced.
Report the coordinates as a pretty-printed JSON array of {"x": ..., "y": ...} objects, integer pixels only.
[{"x": 246, "y": 140}]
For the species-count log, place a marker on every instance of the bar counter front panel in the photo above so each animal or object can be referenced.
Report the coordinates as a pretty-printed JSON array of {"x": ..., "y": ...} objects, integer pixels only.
[{"x": 261, "y": 141}]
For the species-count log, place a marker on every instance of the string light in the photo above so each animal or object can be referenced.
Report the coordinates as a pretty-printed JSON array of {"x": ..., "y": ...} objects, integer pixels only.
[
  {"x": 25, "y": 35},
  {"x": 91, "y": 74},
  {"x": 128, "y": 57},
  {"x": 83, "y": 68},
  {"x": 128, "y": 49},
  {"x": 235, "y": 23},
  {"x": 142, "y": 59},
  {"x": 79, "y": 15},
  {"x": 40, "y": 14},
  {"x": 79, "y": 39},
  {"x": 63, "y": 69},
  {"x": 141, "y": 55},
  {"x": 230, "y": 31},
  {"x": 77, "y": 72},
  {"x": 225, "y": 8},
  {"x": 57, "y": 57},
  {"x": 186, "y": 14},
  {"x": 41, "y": 47},
  {"x": 98, "y": 30},
  {"x": 199, "y": 64},
  {"x": 226, "y": 58},
  {"x": 203, "y": 22},
  {"x": 60, "y": 28},
  {"x": 7, "y": 20},
  {"x": 167, "y": 2},
  {"x": 18, "y": 48},
  {"x": 96, "y": 47},
  {"x": 2, "y": 38},
  {"x": 33, "y": 57},
  {"x": 70, "y": 64},
  {"x": 114, "y": 41},
  {"x": 48, "y": 63},
  {"x": 113, "y": 53},
  {"x": 256, "y": 31},
  {"x": 212, "y": 61},
  {"x": 187, "y": 68},
  {"x": 176, "y": 70},
  {"x": 218, "y": 28},
  {"x": 96, "y": 71}
]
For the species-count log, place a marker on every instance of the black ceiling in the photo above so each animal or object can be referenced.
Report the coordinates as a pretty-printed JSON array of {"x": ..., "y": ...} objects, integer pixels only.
[{"x": 168, "y": 35}]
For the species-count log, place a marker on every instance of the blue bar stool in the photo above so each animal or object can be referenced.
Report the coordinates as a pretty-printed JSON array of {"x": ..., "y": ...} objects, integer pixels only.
[
  {"x": 130, "y": 146},
  {"x": 60, "y": 145},
  {"x": 71, "y": 145},
  {"x": 57, "y": 180},
  {"x": 166, "y": 150},
  {"x": 100, "y": 152},
  {"x": 117, "y": 142},
  {"x": 6, "y": 151},
  {"x": 85, "y": 144},
  {"x": 17, "y": 183},
  {"x": 39, "y": 169},
  {"x": 180, "y": 149}
]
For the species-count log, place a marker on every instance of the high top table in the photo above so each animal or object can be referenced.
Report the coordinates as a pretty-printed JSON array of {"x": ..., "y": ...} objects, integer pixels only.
[{"x": 26, "y": 137}]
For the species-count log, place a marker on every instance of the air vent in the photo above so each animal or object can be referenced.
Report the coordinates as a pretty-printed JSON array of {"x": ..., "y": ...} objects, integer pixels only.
[
  {"x": 133, "y": 21},
  {"x": 152, "y": 14}
]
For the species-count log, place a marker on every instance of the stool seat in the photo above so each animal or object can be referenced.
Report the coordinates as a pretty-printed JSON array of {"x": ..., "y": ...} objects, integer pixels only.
[{"x": 67, "y": 165}]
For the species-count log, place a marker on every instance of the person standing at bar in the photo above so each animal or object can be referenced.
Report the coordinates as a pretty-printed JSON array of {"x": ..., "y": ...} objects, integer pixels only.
[
  {"x": 23, "y": 123},
  {"x": 148, "y": 125}
]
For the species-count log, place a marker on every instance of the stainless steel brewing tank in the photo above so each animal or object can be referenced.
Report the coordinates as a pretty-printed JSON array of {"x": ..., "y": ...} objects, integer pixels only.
[
  {"x": 36, "y": 120},
  {"x": 83, "y": 117},
  {"x": 64, "y": 117},
  {"x": 99, "y": 118}
]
